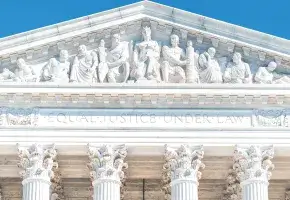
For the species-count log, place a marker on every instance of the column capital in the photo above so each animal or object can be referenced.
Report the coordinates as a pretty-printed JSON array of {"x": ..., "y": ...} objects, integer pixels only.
[
  {"x": 253, "y": 163},
  {"x": 185, "y": 162},
  {"x": 36, "y": 162},
  {"x": 233, "y": 190},
  {"x": 106, "y": 163}
]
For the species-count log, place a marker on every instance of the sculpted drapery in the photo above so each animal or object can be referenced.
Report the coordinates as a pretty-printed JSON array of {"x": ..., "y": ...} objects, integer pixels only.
[{"x": 146, "y": 61}]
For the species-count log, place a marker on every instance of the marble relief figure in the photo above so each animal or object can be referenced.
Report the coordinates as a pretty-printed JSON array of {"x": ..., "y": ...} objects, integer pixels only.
[
  {"x": 237, "y": 71},
  {"x": 24, "y": 72},
  {"x": 57, "y": 69},
  {"x": 173, "y": 62},
  {"x": 146, "y": 57},
  {"x": 266, "y": 75},
  {"x": 7, "y": 76},
  {"x": 191, "y": 67},
  {"x": 82, "y": 69},
  {"x": 103, "y": 68},
  {"x": 210, "y": 68},
  {"x": 118, "y": 60}
]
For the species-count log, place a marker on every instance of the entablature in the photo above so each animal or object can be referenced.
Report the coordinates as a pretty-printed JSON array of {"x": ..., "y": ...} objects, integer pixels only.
[{"x": 108, "y": 95}]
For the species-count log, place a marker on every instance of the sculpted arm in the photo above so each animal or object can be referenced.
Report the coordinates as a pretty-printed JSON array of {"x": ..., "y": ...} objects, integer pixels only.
[
  {"x": 248, "y": 75},
  {"x": 123, "y": 59},
  {"x": 169, "y": 57},
  {"x": 258, "y": 77},
  {"x": 227, "y": 73},
  {"x": 95, "y": 59}
]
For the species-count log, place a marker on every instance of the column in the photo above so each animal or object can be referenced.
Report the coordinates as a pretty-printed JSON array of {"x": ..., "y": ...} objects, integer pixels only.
[
  {"x": 252, "y": 165},
  {"x": 184, "y": 164},
  {"x": 36, "y": 162},
  {"x": 106, "y": 170}
]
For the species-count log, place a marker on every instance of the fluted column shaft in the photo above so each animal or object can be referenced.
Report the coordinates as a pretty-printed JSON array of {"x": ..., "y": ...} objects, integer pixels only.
[
  {"x": 255, "y": 190},
  {"x": 184, "y": 190},
  {"x": 106, "y": 190},
  {"x": 36, "y": 189}
]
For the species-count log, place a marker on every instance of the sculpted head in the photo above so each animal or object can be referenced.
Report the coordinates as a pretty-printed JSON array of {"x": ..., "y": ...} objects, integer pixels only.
[
  {"x": 102, "y": 43},
  {"x": 20, "y": 63},
  {"x": 174, "y": 39},
  {"x": 116, "y": 39},
  {"x": 211, "y": 51},
  {"x": 146, "y": 33},
  {"x": 63, "y": 55},
  {"x": 82, "y": 50},
  {"x": 189, "y": 43},
  {"x": 237, "y": 57},
  {"x": 272, "y": 66}
]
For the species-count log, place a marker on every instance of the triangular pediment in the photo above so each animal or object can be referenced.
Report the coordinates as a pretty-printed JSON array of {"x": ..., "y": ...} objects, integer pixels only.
[{"x": 37, "y": 47}]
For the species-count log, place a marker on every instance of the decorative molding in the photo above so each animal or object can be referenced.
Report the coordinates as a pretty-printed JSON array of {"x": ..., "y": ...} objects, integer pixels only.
[
  {"x": 233, "y": 189},
  {"x": 166, "y": 179},
  {"x": 19, "y": 116},
  {"x": 56, "y": 182},
  {"x": 287, "y": 194},
  {"x": 185, "y": 162},
  {"x": 107, "y": 163},
  {"x": 36, "y": 161},
  {"x": 270, "y": 118},
  {"x": 253, "y": 163}
]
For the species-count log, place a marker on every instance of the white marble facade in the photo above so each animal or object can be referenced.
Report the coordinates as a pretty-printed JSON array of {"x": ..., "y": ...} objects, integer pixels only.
[{"x": 144, "y": 102}]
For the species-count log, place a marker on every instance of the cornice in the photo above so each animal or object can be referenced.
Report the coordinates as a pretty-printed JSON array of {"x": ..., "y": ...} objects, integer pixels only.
[
  {"x": 128, "y": 95},
  {"x": 120, "y": 19}
]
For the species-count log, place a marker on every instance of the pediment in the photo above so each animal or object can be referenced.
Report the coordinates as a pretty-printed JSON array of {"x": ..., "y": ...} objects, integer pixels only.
[{"x": 37, "y": 47}]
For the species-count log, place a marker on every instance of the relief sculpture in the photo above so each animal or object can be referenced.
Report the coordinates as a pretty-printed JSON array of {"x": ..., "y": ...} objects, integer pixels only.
[
  {"x": 146, "y": 57},
  {"x": 57, "y": 70},
  {"x": 173, "y": 62},
  {"x": 119, "y": 61}
]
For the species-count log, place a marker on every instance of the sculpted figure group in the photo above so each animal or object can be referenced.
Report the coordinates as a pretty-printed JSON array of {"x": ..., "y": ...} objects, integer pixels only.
[{"x": 146, "y": 61}]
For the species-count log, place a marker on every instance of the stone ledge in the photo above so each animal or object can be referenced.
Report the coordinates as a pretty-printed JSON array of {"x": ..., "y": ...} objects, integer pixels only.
[{"x": 143, "y": 96}]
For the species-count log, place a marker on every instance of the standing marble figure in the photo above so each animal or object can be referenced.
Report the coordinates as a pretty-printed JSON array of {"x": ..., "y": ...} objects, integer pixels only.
[
  {"x": 82, "y": 70},
  {"x": 191, "y": 70},
  {"x": 103, "y": 68}
]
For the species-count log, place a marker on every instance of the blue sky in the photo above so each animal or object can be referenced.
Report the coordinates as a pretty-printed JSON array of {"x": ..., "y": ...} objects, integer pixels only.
[{"x": 267, "y": 16}]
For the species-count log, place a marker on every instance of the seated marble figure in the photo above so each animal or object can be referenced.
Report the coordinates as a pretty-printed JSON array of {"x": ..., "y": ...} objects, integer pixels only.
[
  {"x": 210, "y": 68},
  {"x": 24, "y": 72},
  {"x": 174, "y": 60},
  {"x": 7, "y": 76},
  {"x": 237, "y": 71},
  {"x": 266, "y": 75},
  {"x": 118, "y": 60},
  {"x": 145, "y": 58},
  {"x": 56, "y": 70}
]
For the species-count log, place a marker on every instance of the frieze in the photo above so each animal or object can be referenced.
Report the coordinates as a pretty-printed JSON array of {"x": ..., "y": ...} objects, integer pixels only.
[
  {"x": 143, "y": 118},
  {"x": 121, "y": 60}
]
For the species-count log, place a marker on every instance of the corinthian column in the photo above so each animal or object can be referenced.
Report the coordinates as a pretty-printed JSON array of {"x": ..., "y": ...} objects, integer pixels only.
[
  {"x": 252, "y": 165},
  {"x": 184, "y": 164},
  {"x": 106, "y": 165},
  {"x": 36, "y": 162}
]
